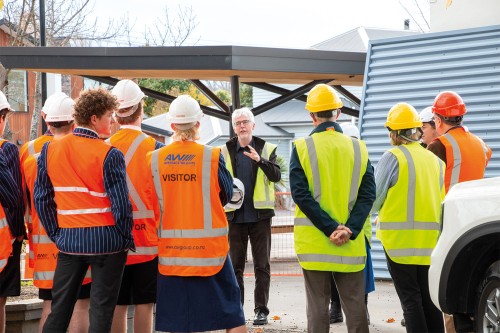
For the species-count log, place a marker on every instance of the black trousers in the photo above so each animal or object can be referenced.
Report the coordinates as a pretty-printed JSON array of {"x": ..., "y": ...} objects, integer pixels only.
[
  {"x": 412, "y": 285},
  {"x": 106, "y": 269},
  {"x": 259, "y": 234}
]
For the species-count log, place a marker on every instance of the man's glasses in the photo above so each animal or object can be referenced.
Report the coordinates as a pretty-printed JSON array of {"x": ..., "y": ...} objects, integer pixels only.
[{"x": 243, "y": 122}]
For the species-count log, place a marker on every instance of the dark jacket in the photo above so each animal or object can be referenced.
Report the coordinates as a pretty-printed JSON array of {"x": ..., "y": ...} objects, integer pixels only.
[{"x": 269, "y": 167}]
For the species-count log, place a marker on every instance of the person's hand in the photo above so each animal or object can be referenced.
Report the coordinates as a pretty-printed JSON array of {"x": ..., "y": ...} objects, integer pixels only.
[
  {"x": 341, "y": 235},
  {"x": 252, "y": 154}
]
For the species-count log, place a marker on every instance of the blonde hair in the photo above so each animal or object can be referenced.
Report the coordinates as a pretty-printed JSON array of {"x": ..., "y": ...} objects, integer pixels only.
[
  {"x": 189, "y": 134},
  {"x": 398, "y": 140}
]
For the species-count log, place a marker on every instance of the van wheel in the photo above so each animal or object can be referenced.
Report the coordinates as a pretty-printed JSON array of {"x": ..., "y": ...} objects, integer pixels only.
[{"x": 487, "y": 316}]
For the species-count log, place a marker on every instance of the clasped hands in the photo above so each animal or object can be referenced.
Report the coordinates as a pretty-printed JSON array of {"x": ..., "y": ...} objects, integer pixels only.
[{"x": 341, "y": 235}]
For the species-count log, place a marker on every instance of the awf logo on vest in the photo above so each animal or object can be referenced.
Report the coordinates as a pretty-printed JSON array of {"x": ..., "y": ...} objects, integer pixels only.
[{"x": 179, "y": 159}]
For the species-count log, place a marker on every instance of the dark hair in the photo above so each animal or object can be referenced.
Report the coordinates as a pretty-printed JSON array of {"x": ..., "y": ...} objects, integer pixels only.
[
  {"x": 451, "y": 121},
  {"x": 59, "y": 124},
  {"x": 4, "y": 113},
  {"x": 93, "y": 102},
  {"x": 129, "y": 119},
  {"x": 324, "y": 114}
]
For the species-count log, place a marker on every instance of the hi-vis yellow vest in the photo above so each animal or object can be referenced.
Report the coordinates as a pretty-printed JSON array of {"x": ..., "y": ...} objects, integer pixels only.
[
  {"x": 263, "y": 194},
  {"x": 409, "y": 220},
  {"x": 334, "y": 165}
]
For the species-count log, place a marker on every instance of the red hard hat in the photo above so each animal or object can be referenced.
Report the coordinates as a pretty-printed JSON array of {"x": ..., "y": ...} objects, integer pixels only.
[{"x": 449, "y": 104}]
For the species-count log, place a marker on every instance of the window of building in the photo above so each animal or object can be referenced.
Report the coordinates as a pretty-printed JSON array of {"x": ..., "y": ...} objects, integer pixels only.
[{"x": 17, "y": 90}]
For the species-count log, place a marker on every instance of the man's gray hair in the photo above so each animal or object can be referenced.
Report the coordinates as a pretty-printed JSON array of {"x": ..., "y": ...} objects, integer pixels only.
[{"x": 243, "y": 112}]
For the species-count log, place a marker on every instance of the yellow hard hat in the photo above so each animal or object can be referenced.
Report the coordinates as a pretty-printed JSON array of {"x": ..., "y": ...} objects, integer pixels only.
[
  {"x": 322, "y": 98},
  {"x": 402, "y": 116}
]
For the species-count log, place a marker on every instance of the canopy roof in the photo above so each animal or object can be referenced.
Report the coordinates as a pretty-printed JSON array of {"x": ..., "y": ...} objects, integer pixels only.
[
  {"x": 257, "y": 66},
  {"x": 218, "y": 63}
]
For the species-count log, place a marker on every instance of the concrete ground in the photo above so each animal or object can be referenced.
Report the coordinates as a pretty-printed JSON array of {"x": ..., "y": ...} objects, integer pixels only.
[{"x": 287, "y": 303}]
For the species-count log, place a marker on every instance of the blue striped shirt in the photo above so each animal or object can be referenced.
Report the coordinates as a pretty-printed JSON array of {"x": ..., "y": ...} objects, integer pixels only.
[
  {"x": 11, "y": 188},
  {"x": 90, "y": 240}
]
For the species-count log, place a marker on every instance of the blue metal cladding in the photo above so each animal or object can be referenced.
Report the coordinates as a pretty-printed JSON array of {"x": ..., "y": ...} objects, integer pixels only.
[{"x": 414, "y": 69}]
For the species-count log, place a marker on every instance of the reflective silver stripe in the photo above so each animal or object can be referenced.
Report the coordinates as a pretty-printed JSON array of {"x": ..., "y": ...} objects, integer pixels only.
[
  {"x": 144, "y": 250},
  {"x": 143, "y": 214},
  {"x": 223, "y": 151},
  {"x": 134, "y": 195},
  {"x": 206, "y": 176},
  {"x": 79, "y": 189},
  {"x": 31, "y": 254},
  {"x": 409, "y": 252},
  {"x": 258, "y": 204},
  {"x": 195, "y": 262},
  {"x": 356, "y": 174},
  {"x": 39, "y": 239},
  {"x": 3, "y": 262},
  {"x": 44, "y": 275},
  {"x": 88, "y": 275},
  {"x": 331, "y": 259},
  {"x": 133, "y": 147},
  {"x": 31, "y": 147},
  {"x": 194, "y": 233},
  {"x": 83, "y": 211},
  {"x": 457, "y": 160},
  {"x": 441, "y": 174},
  {"x": 313, "y": 158},
  {"x": 3, "y": 222},
  {"x": 302, "y": 222},
  {"x": 266, "y": 183},
  {"x": 412, "y": 183},
  {"x": 156, "y": 180},
  {"x": 108, "y": 141},
  {"x": 36, "y": 156},
  {"x": 410, "y": 225}
]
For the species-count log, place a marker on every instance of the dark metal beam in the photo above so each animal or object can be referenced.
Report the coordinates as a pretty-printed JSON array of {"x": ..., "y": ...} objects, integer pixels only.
[
  {"x": 210, "y": 95},
  {"x": 347, "y": 94},
  {"x": 274, "y": 89},
  {"x": 161, "y": 96},
  {"x": 287, "y": 97},
  {"x": 236, "y": 102}
]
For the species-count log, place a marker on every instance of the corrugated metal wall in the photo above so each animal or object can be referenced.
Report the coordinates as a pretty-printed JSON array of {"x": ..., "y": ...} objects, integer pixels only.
[{"x": 415, "y": 69}]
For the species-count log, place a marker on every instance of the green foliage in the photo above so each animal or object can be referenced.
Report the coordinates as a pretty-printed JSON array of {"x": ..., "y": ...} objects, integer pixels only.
[
  {"x": 246, "y": 95},
  {"x": 224, "y": 96},
  {"x": 284, "y": 170},
  {"x": 172, "y": 87}
]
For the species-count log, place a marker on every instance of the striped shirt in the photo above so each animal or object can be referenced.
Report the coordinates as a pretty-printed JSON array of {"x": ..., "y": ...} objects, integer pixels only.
[
  {"x": 225, "y": 182},
  {"x": 11, "y": 188},
  {"x": 91, "y": 240}
]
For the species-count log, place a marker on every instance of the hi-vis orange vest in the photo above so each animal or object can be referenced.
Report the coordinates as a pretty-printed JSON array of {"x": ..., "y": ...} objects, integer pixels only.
[
  {"x": 466, "y": 156},
  {"x": 30, "y": 149},
  {"x": 45, "y": 251},
  {"x": 81, "y": 198},
  {"x": 6, "y": 238},
  {"x": 135, "y": 145},
  {"x": 193, "y": 228}
]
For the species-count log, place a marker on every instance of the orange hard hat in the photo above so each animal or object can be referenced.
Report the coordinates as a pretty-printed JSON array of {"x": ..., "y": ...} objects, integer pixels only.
[{"x": 449, "y": 104}]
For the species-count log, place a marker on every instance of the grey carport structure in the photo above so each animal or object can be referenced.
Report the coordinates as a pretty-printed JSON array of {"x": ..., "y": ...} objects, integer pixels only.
[{"x": 259, "y": 67}]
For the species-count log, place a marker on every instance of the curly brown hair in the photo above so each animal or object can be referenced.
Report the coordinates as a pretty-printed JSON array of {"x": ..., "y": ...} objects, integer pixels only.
[{"x": 93, "y": 102}]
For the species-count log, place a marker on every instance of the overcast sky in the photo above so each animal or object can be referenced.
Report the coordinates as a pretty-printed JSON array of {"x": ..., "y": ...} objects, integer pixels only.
[{"x": 269, "y": 23}]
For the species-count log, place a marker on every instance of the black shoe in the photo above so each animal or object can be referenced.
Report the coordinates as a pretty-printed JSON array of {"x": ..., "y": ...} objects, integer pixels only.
[
  {"x": 336, "y": 313},
  {"x": 260, "y": 318},
  {"x": 403, "y": 322}
]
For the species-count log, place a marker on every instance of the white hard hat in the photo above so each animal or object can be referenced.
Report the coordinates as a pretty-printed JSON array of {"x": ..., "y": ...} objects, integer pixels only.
[
  {"x": 4, "y": 104},
  {"x": 184, "y": 110},
  {"x": 426, "y": 115},
  {"x": 238, "y": 195},
  {"x": 59, "y": 108},
  {"x": 127, "y": 93},
  {"x": 51, "y": 99},
  {"x": 350, "y": 130}
]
